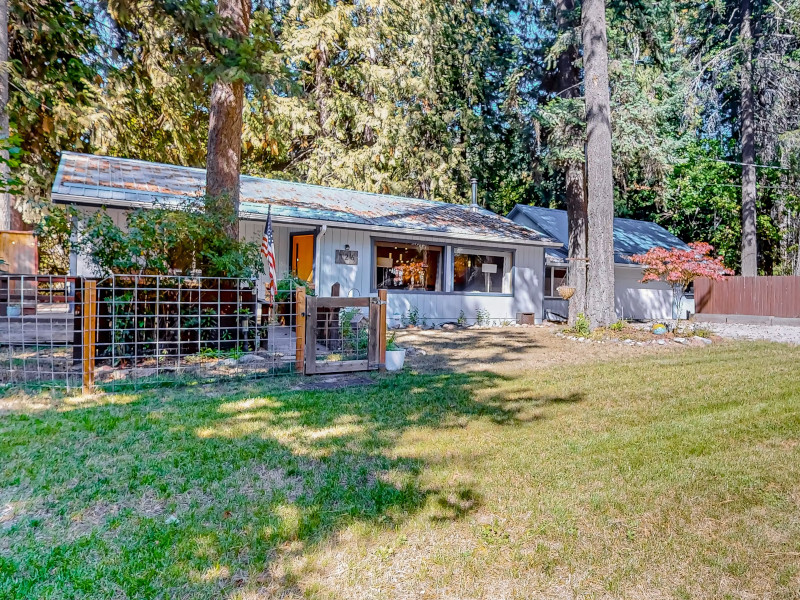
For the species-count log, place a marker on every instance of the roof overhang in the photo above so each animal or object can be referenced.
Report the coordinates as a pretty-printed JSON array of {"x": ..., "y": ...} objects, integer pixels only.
[
  {"x": 552, "y": 262},
  {"x": 283, "y": 220}
]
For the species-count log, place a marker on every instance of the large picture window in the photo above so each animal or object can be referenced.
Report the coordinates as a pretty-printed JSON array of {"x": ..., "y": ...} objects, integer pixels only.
[
  {"x": 477, "y": 272},
  {"x": 403, "y": 266},
  {"x": 554, "y": 277}
]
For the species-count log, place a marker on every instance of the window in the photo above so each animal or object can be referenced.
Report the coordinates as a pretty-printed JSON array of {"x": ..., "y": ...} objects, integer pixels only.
[
  {"x": 553, "y": 279},
  {"x": 403, "y": 266},
  {"x": 489, "y": 273}
]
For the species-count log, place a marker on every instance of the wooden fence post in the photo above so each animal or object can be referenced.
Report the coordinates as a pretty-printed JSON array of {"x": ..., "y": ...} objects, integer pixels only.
[
  {"x": 89, "y": 321},
  {"x": 382, "y": 299},
  {"x": 300, "y": 329},
  {"x": 311, "y": 335}
]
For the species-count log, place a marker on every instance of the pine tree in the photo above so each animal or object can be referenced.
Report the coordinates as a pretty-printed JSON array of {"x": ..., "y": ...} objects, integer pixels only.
[
  {"x": 747, "y": 88},
  {"x": 395, "y": 96},
  {"x": 568, "y": 78},
  {"x": 54, "y": 98},
  {"x": 6, "y": 208},
  {"x": 223, "y": 163},
  {"x": 749, "y": 242},
  {"x": 599, "y": 171}
]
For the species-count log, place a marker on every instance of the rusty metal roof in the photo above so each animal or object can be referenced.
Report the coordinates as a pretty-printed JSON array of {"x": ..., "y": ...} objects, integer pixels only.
[{"x": 121, "y": 182}]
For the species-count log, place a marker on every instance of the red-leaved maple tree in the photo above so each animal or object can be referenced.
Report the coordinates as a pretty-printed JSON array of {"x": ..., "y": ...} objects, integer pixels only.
[{"x": 679, "y": 268}]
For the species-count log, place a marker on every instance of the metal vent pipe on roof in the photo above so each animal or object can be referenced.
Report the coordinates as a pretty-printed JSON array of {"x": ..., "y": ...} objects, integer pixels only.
[{"x": 474, "y": 204}]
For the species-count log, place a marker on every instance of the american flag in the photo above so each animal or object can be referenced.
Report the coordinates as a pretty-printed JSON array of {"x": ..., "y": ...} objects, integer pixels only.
[{"x": 268, "y": 250}]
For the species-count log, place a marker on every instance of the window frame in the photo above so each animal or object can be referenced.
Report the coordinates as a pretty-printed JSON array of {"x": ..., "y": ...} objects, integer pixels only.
[
  {"x": 441, "y": 283},
  {"x": 551, "y": 294},
  {"x": 446, "y": 264},
  {"x": 509, "y": 254}
]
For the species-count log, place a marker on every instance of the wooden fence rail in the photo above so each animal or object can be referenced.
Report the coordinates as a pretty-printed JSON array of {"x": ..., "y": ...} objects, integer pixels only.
[
  {"x": 752, "y": 296},
  {"x": 344, "y": 334}
]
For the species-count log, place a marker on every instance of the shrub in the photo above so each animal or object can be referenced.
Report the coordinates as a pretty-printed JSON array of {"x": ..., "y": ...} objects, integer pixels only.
[
  {"x": 618, "y": 326},
  {"x": 702, "y": 332},
  {"x": 581, "y": 326},
  {"x": 354, "y": 339},
  {"x": 287, "y": 284},
  {"x": 53, "y": 237},
  {"x": 482, "y": 317},
  {"x": 177, "y": 238},
  {"x": 679, "y": 268}
]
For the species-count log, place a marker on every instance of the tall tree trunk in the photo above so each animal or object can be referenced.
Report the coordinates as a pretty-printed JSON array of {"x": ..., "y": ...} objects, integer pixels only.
[
  {"x": 225, "y": 125},
  {"x": 797, "y": 257},
  {"x": 749, "y": 241},
  {"x": 322, "y": 86},
  {"x": 6, "y": 208},
  {"x": 600, "y": 184},
  {"x": 577, "y": 218},
  {"x": 567, "y": 82}
]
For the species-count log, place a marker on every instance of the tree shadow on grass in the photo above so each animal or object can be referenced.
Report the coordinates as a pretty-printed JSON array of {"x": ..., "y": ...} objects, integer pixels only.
[
  {"x": 203, "y": 491},
  {"x": 467, "y": 350}
]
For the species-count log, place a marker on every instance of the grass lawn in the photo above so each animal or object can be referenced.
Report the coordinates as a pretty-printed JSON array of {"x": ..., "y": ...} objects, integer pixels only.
[{"x": 672, "y": 475}]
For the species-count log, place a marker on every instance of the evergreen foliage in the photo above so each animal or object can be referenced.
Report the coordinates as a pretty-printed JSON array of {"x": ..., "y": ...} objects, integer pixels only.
[{"x": 414, "y": 97}]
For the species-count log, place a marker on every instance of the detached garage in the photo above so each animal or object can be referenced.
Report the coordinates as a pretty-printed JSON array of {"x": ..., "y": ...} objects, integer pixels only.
[{"x": 634, "y": 300}]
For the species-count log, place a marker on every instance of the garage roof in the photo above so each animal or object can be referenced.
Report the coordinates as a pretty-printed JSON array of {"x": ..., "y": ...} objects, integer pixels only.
[{"x": 630, "y": 236}]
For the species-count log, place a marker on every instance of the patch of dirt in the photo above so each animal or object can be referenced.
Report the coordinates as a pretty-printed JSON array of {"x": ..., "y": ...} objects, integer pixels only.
[
  {"x": 263, "y": 481},
  {"x": 333, "y": 382},
  {"x": 513, "y": 349},
  {"x": 97, "y": 514}
]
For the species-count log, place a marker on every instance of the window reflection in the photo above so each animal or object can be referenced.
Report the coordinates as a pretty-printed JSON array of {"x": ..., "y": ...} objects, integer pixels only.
[
  {"x": 408, "y": 266},
  {"x": 481, "y": 272}
]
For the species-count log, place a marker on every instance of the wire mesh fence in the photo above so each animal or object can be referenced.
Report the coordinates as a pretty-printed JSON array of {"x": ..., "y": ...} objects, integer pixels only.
[
  {"x": 342, "y": 334},
  {"x": 37, "y": 331},
  {"x": 135, "y": 330},
  {"x": 345, "y": 334}
]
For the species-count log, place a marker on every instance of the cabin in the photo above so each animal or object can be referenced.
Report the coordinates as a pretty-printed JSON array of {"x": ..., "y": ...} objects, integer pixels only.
[
  {"x": 634, "y": 300},
  {"x": 437, "y": 260}
]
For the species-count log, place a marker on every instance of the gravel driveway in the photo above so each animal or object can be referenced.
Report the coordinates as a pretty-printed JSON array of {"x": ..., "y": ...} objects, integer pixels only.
[{"x": 772, "y": 333}]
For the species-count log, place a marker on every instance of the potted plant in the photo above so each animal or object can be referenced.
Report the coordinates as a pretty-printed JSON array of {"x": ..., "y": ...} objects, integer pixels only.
[{"x": 395, "y": 355}]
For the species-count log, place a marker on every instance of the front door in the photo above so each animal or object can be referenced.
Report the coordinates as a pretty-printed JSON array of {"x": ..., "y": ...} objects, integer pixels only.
[{"x": 303, "y": 256}]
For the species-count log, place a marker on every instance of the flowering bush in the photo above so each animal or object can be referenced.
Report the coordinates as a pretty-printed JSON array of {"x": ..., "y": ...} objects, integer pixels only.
[{"x": 679, "y": 268}]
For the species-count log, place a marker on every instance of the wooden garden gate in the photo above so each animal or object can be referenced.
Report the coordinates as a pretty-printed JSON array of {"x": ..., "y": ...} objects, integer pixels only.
[{"x": 344, "y": 334}]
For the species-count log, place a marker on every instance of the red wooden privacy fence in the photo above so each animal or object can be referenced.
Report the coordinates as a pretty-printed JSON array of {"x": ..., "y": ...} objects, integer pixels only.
[{"x": 757, "y": 296}]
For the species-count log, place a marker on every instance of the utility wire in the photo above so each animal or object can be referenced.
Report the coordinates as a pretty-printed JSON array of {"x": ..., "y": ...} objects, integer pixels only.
[
  {"x": 24, "y": 91},
  {"x": 738, "y": 185},
  {"x": 733, "y": 162}
]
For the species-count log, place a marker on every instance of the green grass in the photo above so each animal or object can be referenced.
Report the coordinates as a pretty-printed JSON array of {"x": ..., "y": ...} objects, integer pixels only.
[{"x": 673, "y": 476}]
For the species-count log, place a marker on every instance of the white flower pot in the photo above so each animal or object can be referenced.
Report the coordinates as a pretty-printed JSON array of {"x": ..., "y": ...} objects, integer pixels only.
[
  {"x": 13, "y": 310},
  {"x": 395, "y": 359}
]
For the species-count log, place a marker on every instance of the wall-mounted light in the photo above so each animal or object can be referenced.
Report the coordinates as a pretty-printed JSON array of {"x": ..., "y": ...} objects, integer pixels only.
[{"x": 347, "y": 246}]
